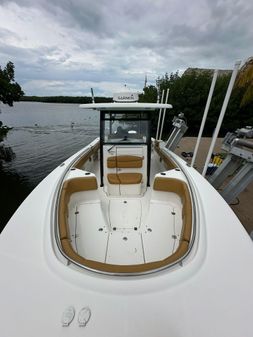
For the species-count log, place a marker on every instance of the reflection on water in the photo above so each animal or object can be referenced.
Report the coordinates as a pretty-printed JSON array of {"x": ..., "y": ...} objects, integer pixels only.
[
  {"x": 43, "y": 136},
  {"x": 14, "y": 189}
]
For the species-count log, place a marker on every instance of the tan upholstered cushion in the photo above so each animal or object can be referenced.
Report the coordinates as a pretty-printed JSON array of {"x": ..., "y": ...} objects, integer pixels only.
[
  {"x": 80, "y": 184},
  {"x": 170, "y": 185},
  {"x": 130, "y": 178},
  {"x": 187, "y": 219},
  {"x": 63, "y": 214},
  {"x": 113, "y": 178},
  {"x": 124, "y": 178},
  {"x": 126, "y": 161}
]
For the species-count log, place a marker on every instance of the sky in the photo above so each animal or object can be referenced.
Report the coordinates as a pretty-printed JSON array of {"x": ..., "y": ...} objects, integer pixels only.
[{"x": 65, "y": 47}]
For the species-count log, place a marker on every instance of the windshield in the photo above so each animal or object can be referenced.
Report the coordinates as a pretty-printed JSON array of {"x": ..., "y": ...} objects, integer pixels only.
[{"x": 126, "y": 127}]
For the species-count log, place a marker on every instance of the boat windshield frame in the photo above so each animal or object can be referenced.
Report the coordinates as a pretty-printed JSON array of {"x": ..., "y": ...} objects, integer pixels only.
[
  {"x": 139, "y": 121},
  {"x": 126, "y": 116}
]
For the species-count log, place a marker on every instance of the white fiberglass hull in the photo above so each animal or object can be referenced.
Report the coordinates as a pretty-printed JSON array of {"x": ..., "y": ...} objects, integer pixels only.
[{"x": 211, "y": 295}]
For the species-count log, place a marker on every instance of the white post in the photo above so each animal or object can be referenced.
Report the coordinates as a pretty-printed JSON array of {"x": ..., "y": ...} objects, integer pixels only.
[
  {"x": 159, "y": 118},
  {"x": 158, "y": 94},
  {"x": 222, "y": 113},
  {"x": 210, "y": 95},
  {"x": 92, "y": 95},
  {"x": 164, "y": 112}
]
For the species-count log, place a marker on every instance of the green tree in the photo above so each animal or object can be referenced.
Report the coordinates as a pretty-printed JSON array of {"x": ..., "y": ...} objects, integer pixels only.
[
  {"x": 188, "y": 94},
  {"x": 245, "y": 82},
  {"x": 10, "y": 90},
  {"x": 149, "y": 95}
]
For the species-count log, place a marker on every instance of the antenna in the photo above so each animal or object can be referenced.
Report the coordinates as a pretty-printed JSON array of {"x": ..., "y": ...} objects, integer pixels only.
[
  {"x": 92, "y": 95},
  {"x": 145, "y": 81}
]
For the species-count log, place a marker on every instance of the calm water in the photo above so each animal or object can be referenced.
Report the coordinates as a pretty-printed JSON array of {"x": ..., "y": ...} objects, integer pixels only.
[{"x": 43, "y": 136}]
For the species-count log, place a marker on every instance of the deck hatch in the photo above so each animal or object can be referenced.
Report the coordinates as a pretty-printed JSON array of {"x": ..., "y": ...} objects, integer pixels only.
[{"x": 125, "y": 214}]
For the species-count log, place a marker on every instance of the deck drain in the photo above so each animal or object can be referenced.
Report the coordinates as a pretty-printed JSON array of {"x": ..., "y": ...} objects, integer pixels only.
[
  {"x": 149, "y": 230},
  {"x": 135, "y": 228},
  {"x": 125, "y": 238},
  {"x": 114, "y": 228},
  {"x": 125, "y": 202},
  {"x": 100, "y": 229},
  {"x": 173, "y": 213}
]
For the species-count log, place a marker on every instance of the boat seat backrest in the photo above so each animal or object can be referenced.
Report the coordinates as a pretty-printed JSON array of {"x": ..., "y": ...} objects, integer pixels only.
[
  {"x": 71, "y": 186},
  {"x": 180, "y": 188},
  {"x": 124, "y": 178},
  {"x": 124, "y": 161}
]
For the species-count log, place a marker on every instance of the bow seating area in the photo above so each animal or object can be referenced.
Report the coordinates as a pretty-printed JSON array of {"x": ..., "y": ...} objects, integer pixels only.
[{"x": 100, "y": 238}]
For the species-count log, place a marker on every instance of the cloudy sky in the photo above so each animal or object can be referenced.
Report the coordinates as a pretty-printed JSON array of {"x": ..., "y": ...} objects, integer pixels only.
[{"x": 65, "y": 47}]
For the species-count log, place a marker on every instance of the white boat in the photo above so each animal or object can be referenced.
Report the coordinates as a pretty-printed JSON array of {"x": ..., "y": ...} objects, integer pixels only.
[{"x": 125, "y": 239}]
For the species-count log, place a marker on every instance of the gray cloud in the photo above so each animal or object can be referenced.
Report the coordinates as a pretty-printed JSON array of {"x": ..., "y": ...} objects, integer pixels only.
[{"x": 119, "y": 41}]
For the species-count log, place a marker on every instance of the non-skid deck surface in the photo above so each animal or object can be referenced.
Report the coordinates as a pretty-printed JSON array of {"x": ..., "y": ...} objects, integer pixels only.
[
  {"x": 91, "y": 231},
  {"x": 133, "y": 231},
  {"x": 161, "y": 231},
  {"x": 125, "y": 213},
  {"x": 125, "y": 247}
]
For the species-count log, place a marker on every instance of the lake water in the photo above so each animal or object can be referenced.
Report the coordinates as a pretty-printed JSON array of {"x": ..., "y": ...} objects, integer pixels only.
[{"x": 43, "y": 136}]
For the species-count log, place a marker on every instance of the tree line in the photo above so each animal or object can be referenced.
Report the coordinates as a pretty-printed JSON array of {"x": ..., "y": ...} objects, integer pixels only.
[
  {"x": 66, "y": 99},
  {"x": 188, "y": 94}
]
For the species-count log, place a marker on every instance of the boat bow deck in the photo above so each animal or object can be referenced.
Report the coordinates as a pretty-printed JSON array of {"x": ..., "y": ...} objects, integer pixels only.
[{"x": 125, "y": 233}]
